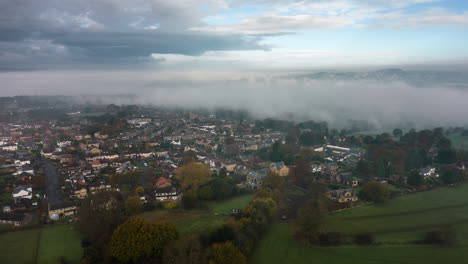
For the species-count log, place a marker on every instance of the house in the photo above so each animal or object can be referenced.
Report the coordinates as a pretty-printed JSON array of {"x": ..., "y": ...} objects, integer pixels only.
[
  {"x": 428, "y": 172},
  {"x": 348, "y": 180},
  {"x": 163, "y": 182},
  {"x": 101, "y": 187},
  {"x": 94, "y": 150},
  {"x": 342, "y": 195},
  {"x": 167, "y": 194},
  {"x": 22, "y": 192},
  {"x": 229, "y": 165},
  {"x": 279, "y": 168},
  {"x": 80, "y": 193},
  {"x": 337, "y": 149},
  {"x": 12, "y": 219},
  {"x": 97, "y": 165},
  {"x": 62, "y": 209},
  {"x": 24, "y": 169},
  {"x": 10, "y": 147},
  {"x": 254, "y": 179}
]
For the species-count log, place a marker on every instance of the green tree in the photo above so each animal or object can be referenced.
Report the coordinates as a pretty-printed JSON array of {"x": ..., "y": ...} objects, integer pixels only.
[
  {"x": 310, "y": 220},
  {"x": 221, "y": 188},
  {"x": 451, "y": 176},
  {"x": 187, "y": 250},
  {"x": 226, "y": 253},
  {"x": 397, "y": 132},
  {"x": 273, "y": 181},
  {"x": 415, "y": 178},
  {"x": 133, "y": 205},
  {"x": 374, "y": 192},
  {"x": 192, "y": 175},
  {"x": 99, "y": 215},
  {"x": 137, "y": 239},
  {"x": 205, "y": 192}
]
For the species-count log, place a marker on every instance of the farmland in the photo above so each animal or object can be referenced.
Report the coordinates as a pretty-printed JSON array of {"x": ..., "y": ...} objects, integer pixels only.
[
  {"x": 459, "y": 141},
  {"x": 395, "y": 224},
  {"x": 190, "y": 222},
  {"x": 46, "y": 245}
]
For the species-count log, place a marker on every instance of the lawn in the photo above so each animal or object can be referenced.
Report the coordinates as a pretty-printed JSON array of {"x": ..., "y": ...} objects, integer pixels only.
[
  {"x": 404, "y": 219},
  {"x": 19, "y": 247},
  {"x": 279, "y": 247},
  {"x": 50, "y": 243},
  {"x": 59, "y": 241},
  {"x": 192, "y": 222},
  {"x": 225, "y": 206},
  {"x": 188, "y": 222},
  {"x": 408, "y": 217},
  {"x": 459, "y": 141}
]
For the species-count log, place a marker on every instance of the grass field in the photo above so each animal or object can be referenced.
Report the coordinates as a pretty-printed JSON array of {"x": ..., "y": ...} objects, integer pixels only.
[
  {"x": 459, "y": 141},
  {"x": 189, "y": 222},
  {"x": 59, "y": 241},
  {"x": 225, "y": 207},
  {"x": 278, "y": 247},
  {"x": 19, "y": 247},
  {"x": 45, "y": 245},
  {"x": 403, "y": 220}
]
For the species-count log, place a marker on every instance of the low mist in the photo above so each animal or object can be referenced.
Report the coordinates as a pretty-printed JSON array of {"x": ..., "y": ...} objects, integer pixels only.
[{"x": 385, "y": 104}]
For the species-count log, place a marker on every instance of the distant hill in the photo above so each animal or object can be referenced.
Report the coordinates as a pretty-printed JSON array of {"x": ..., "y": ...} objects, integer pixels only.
[{"x": 415, "y": 78}]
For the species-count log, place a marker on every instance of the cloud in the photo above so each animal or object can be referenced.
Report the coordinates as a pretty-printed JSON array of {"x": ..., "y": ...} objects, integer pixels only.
[
  {"x": 69, "y": 34},
  {"x": 383, "y": 103},
  {"x": 103, "y": 32},
  {"x": 428, "y": 18},
  {"x": 277, "y": 24}
]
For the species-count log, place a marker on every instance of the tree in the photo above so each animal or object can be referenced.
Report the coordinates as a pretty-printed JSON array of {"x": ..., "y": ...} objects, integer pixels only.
[
  {"x": 397, "y": 132},
  {"x": 133, "y": 205},
  {"x": 99, "y": 215},
  {"x": 415, "y": 178},
  {"x": 311, "y": 220},
  {"x": 273, "y": 181},
  {"x": 205, "y": 192},
  {"x": 442, "y": 237},
  {"x": 364, "y": 239},
  {"x": 374, "y": 192},
  {"x": 137, "y": 239},
  {"x": 140, "y": 190},
  {"x": 300, "y": 172},
  {"x": 226, "y": 253},
  {"x": 187, "y": 250},
  {"x": 451, "y": 176},
  {"x": 192, "y": 175},
  {"x": 221, "y": 188}
]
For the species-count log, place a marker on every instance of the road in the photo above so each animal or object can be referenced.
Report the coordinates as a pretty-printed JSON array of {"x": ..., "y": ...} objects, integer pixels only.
[{"x": 52, "y": 176}]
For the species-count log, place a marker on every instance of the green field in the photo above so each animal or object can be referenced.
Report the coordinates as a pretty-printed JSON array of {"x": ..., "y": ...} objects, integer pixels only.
[
  {"x": 459, "y": 141},
  {"x": 45, "y": 245},
  {"x": 59, "y": 241},
  {"x": 20, "y": 246},
  {"x": 190, "y": 222},
  {"x": 225, "y": 206},
  {"x": 401, "y": 220},
  {"x": 187, "y": 222}
]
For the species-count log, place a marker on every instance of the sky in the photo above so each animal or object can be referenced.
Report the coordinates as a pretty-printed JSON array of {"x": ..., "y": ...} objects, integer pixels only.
[
  {"x": 231, "y": 34},
  {"x": 166, "y": 50}
]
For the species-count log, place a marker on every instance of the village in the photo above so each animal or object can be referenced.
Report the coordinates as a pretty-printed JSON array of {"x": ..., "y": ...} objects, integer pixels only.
[
  {"x": 97, "y": 166},
  {"x": 56, "y": 166},
  {"x": 50, "y": 166}
]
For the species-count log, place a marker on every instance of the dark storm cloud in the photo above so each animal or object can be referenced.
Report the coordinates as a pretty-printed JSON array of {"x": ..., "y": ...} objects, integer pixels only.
[{"x": 60, "y": 34}]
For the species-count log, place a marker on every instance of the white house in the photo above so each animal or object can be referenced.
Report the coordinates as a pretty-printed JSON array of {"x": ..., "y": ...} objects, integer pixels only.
[{"x": 22, "y": 192}]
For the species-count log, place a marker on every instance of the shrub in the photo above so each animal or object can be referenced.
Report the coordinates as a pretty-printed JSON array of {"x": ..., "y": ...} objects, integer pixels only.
[
  {"x": 364, "y": 239},
  {"x": 440, "y": 237},
  {"x": 331, "y": 239}
]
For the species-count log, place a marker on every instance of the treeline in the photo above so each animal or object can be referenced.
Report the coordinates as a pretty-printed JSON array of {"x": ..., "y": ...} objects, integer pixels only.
[{"x": 395, "y": 160}]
